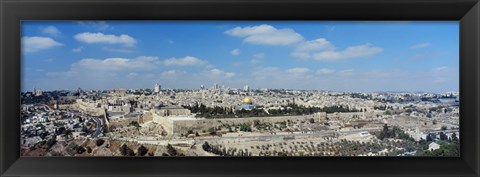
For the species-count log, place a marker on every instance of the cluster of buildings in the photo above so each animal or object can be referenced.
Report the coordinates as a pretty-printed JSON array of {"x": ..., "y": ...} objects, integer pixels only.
[
  {"x": 42, "y": 123},
  {"x": 419, "y": 112}
]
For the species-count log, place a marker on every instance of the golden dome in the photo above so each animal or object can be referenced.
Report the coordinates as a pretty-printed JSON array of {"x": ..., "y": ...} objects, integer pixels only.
[{"x": 247, "y": 100}]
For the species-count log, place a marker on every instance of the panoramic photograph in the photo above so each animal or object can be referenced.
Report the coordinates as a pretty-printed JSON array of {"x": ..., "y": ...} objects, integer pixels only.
[{"x": 240, "y": 88}]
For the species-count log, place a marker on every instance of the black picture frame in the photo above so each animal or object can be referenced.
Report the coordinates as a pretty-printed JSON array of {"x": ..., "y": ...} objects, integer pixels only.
[{"x": 12, "y": 12}]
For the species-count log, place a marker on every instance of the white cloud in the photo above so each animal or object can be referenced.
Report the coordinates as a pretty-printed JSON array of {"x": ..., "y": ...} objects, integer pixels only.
[
  {"x": 305, "y": 49},
  {"x": 219, "y": 73},
  {"x": 51, "y": 30},
  {"x": 33, "y": 44},
  {"x": 266, "y": 35},
  {"x": 250, "y": 30},
  {"x": 235, "y": 52},
  {"x": 322, "y": 49},
  {"x": 325, "y": 71},
  {"x": 420, "y": 45},
  {"x": 350, "y": 52},
  {"x": 318, "y": 49},
  {"x": 137, "y": 72},
  {"x": 128, "y": 67},
  {"x": 173, "y": 73},
  {"x": 105, "y": 73},
  {"x": 298, "y": 70},
  {"x": 117, "y": 64},
  {"x": 91, "y": 38},
  {"x": 185, "y": 61},
  {"x": 78, "y": 49}
]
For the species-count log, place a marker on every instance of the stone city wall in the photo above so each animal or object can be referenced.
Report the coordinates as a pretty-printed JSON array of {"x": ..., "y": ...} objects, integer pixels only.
[
  {"x": 121, "y": 122},
  {"x": 177, "y": 127},
  {"x": 83, "y": 107},
  {"x": 165, "y": 122},
  {"x": 147, "y": 117}
]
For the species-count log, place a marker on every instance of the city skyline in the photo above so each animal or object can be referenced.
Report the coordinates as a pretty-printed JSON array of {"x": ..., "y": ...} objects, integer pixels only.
[
  {"x": 386, "y": 56},
  {"x": 225, "y": 88}
]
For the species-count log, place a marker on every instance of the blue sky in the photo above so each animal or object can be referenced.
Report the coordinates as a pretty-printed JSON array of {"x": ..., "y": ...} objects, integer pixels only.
[{"x": 339, "y": 56}]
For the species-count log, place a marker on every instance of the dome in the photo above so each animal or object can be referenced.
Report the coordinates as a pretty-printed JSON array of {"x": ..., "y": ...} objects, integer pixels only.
[
  {"x": 247, "y": 100},
  {"x": 158, "y": 105}
]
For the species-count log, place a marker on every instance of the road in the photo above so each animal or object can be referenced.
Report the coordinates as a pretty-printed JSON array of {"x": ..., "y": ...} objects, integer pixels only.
[
  {"x": 280, "y": 137},
  {"x": 99, "y": 129}
]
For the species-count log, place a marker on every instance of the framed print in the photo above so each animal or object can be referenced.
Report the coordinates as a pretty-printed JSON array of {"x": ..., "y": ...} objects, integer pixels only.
[{"x": 280, "y": 88}]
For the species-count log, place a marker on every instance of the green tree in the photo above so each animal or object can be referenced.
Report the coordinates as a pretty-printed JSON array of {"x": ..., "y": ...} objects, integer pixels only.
[
  {"x": 99, "y": 142},
  {"x": 206, "y": 147},
  {"x": 443, "y": 136},
  {"x": 123, "y": 149},
  {"x": 51, "y": 142},
  {"x": 429, "y": 138},
  {"x": 171, "y": 150},
  {"x": 245, "y": 127},
  {"x": 142, "y": 150},
  {"x": 444, "y": 127},
  {"x": 80, "y": 150},
  {"x": 454, "y": 137},
  {"x": 126, "y": 151}
]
